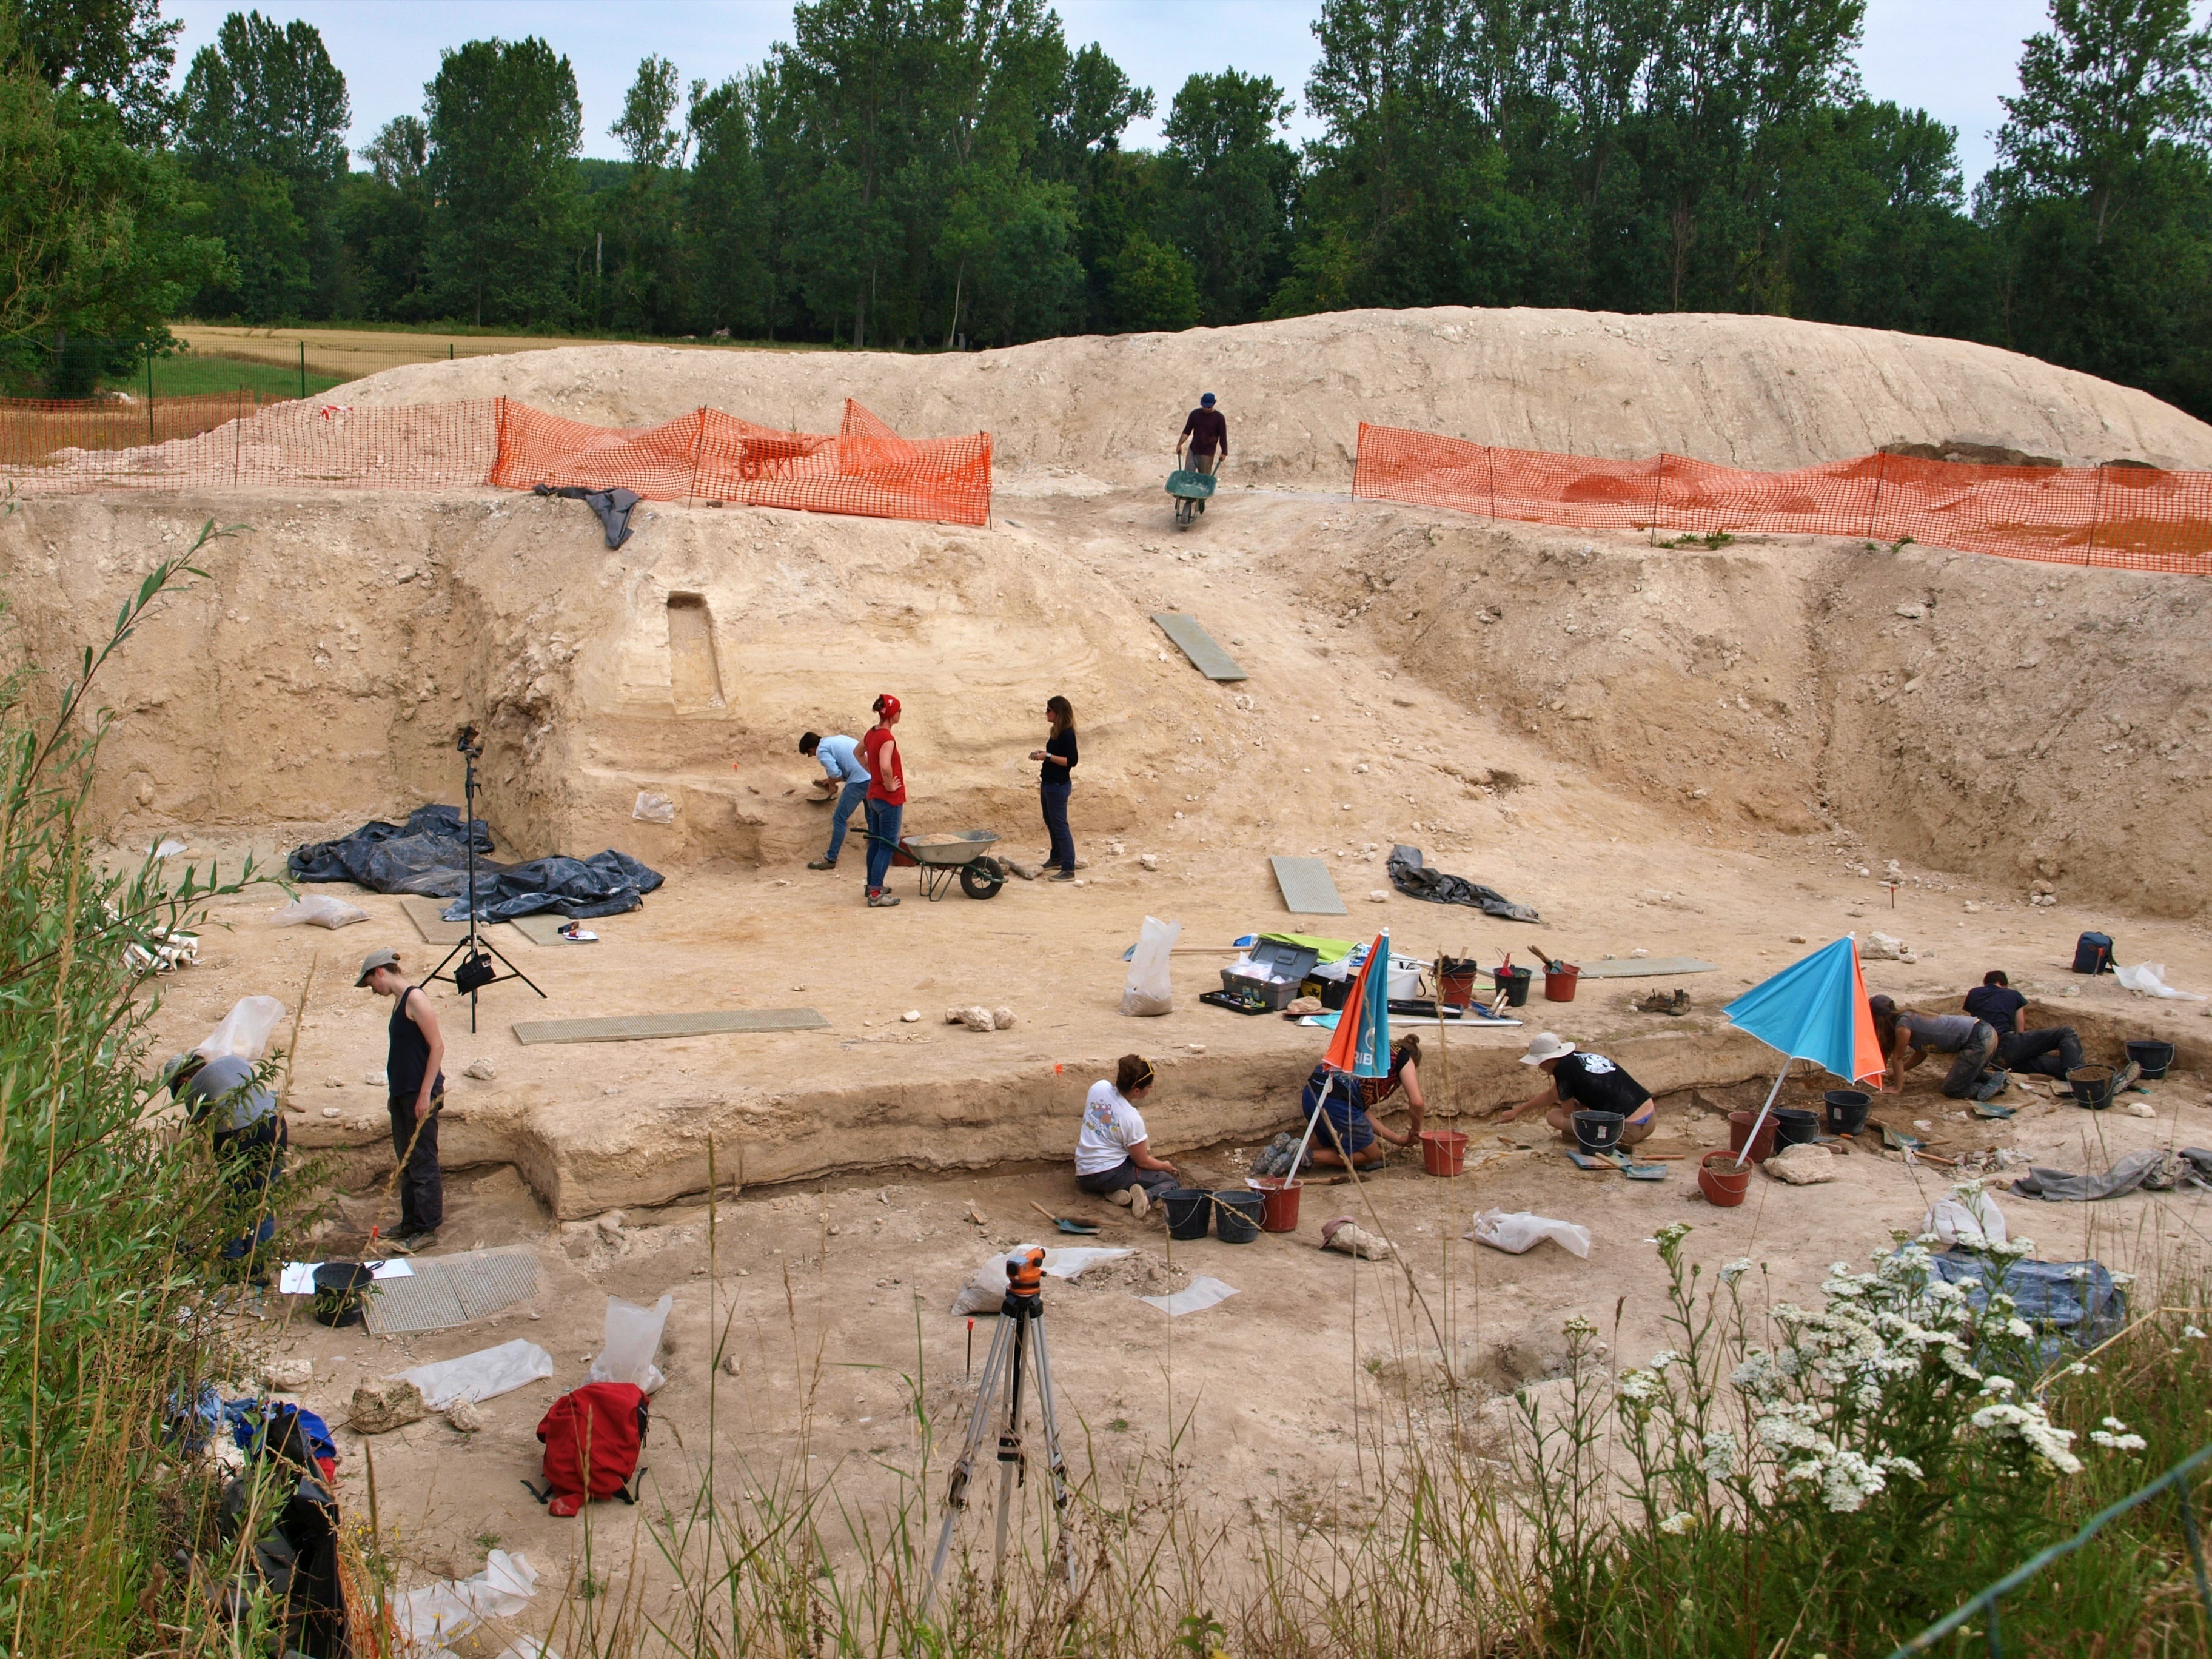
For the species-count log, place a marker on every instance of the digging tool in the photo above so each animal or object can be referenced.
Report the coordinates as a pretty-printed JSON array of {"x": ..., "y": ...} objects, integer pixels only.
[{"x": 1066, "y": 1224}]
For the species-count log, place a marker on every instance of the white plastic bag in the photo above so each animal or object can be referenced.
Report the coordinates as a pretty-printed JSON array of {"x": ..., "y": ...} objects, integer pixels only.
[
  {"x": 1202, "y": 1292},
  {"x": 1520, "y": 1231},
  {"x": 1149, "y": 991},
  {"x": 633, "y": 1339},
  {"x": 245, "y": 1029},
  {"x": 2149, "y": 979},
  {"x": 484, "y": 1375},
  {"x": 653, "y": 808},
  {"x": 319, "y": 909},
  {"x": 1975, "y": 1223},
  {"x": 430, "y": 1617},
  {"x": 986, "y": 1289}
]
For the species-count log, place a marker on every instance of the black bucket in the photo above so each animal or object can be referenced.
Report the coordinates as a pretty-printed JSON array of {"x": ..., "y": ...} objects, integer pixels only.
[
  {"x": 1237, "y": 1215},
  {"x": 2093, "y": 1087},
  {"x": 1598, "y": 1132},
  {"x": 2153, "y": 1057},
  {"x": 338, "y": 1285},
  {"x": 1514, "y": 982},
  {"x": 1847, "y": 1110},
  {"x": 1794, "y": 1126},
  {"x": 1188, "y": 1210}
]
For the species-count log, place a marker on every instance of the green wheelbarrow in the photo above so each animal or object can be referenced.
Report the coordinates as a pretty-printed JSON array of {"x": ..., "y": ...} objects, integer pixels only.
[{"x": 1190, "y": 488}]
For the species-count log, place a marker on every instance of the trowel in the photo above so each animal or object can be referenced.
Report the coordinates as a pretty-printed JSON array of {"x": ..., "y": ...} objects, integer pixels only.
[{"x": 1066, "y": 1224}]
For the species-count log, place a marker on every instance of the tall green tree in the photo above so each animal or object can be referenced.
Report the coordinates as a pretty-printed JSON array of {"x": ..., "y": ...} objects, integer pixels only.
[
  {"x": 387, "y": 216},
  {"x": 504, "y": 126},
  {"x": 1236, "y": 183},
  {"x": 727, "y": 206},
  {"x": 120, "y": 52}
]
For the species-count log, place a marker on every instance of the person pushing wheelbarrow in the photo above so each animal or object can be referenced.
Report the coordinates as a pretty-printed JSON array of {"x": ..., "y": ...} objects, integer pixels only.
[{"x": 1206, "y": 435}]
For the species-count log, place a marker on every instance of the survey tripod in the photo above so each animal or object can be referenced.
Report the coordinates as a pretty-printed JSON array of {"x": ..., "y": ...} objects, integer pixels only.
[
  {"x": 475, "y": 970},
  {"x": 1018, "y": 1350}
]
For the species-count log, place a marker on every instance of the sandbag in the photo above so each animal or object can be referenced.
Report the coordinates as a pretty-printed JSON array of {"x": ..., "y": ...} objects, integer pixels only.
[
  {"x": 244, "y": 1030},
  {"x": 318, "y": 910},
  {"x": 1148, "y": 990},
  {"x": 1520, "y": 1231}
]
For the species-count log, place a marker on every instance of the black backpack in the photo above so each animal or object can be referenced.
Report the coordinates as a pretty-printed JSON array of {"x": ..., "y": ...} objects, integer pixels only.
[{"x": 2093, "y": 954}]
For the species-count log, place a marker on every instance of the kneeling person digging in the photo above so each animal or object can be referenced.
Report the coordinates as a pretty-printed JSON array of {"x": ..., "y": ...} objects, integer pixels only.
[
  {"x": 1349, "y": 1135},
  {"x": 1114, "y": 1152},
  {"x": 1584, "y": 1082}
]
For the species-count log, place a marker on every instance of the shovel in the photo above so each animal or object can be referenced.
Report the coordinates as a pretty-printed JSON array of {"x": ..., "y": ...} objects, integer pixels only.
[{"x": 1066, "y": 1224}]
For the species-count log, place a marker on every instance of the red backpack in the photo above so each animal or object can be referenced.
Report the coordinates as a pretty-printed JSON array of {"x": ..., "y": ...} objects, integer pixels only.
[{"x": 593, "y": 1436}]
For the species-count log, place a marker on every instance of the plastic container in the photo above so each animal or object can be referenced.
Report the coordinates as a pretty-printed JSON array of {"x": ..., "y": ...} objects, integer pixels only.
[
  {"x": 1740, "y": 1130},
  {"x": 1514, "y": 982},
  {"x": 2093, "y": 1087},
  {"x": 338, "y": 1287},
  {"x": 1443, "y": 1151},
  {"x": 1278, "y": 1202},
  {"x": 1188, "y": 1211},
  {"x": 1720, "y": 1180},
  {"x": 1598, "y": 1132},
  {"x": 1794, "y": 1126},
  {"x": 1238, "y": 1215},
  {"x": 1560, "y": 981},
  {"x": 1847, "y": 1110},
  {"x": 1405, "y": 978},
  {"x": 1455, "y": 987},
  {"x": 2153, "y": 1057}
]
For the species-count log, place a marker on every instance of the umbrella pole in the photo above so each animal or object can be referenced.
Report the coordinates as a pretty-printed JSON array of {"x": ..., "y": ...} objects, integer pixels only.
[
  {"x": 1306, "y": 1140},
  {"x": 1758, "y": 1123}
]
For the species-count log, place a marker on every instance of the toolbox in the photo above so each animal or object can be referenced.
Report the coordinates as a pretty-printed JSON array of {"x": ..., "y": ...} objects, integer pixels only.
[{"x": 1270, "y": 976}]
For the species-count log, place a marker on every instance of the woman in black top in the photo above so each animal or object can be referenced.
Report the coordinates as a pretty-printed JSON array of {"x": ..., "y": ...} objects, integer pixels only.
[{"x": 1056, "y": 781}]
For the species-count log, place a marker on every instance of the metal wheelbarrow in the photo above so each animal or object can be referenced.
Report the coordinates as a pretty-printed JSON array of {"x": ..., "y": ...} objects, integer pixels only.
[
  {"x": 1192, "y": 489},
  {"x": 964, "y": 853}
]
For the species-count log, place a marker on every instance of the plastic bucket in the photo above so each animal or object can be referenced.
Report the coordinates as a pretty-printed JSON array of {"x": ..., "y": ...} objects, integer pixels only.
[
  {"x": 1188, "y": 1209},
  {"x": 1514, "y": 982},
  {"x": 2153, "y": 1057},
  {"x": 1559, "y": 982},
  {"x": 1456, "y": 984},
  {"x": 1720, "y": 1180},
  {"x": 1598, "y": 1132},
  {"x": 1443, "y": 1151},
  {"x": 1739, "y": 1131},
  {"x": 1847, "y": 1110},
  {"x": 338, "y": 1285},
  {"x": 1237, "y": 1214},
  {"x": 1279, "y": 1203},
  {"x": 1794, "y": 1126},
  {"x": 2093, "y": 1087}
]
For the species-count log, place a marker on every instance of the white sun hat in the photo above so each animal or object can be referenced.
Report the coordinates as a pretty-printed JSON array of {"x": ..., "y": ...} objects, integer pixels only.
[{"x": 1546, "y": 1045}]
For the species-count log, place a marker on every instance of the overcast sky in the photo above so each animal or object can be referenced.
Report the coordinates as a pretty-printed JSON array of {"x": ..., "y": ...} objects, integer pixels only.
[{"x": 1954, "y": 57}]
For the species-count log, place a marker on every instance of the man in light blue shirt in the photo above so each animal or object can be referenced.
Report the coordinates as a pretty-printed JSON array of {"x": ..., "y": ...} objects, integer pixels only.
[{"x": 842, "y": 766}]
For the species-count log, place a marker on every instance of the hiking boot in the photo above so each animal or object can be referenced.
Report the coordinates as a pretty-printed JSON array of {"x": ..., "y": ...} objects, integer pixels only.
[
  {"x": 882, "y": 900},
  {"x": 1063, "y": 875},
  {"x": 1140, "y": 1203},
  {"x": 822, "y": 863}
]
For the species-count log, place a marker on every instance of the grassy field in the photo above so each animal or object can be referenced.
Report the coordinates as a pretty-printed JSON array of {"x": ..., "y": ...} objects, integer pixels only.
[
  {"x": 191, "y": 373},
  {"x": 335, "y": 356}
]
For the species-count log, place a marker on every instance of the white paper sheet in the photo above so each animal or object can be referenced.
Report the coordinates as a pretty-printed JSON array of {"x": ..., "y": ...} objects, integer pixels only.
[
  {"x": 1201, "y": 1292},
  {"x": 297, "y": 1277}
]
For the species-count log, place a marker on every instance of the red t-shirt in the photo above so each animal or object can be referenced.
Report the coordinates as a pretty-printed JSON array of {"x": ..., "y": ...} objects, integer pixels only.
[{"x": 885, "y": 783}]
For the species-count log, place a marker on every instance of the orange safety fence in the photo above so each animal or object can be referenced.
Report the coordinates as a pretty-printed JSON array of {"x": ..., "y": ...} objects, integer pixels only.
[
  {"x": 2128, "y": 518},
  {"x": 865, "y": 468},
  {"x": 33, "y": 430}
]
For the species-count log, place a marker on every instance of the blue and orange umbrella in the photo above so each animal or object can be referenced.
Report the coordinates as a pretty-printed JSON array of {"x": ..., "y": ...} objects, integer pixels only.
[
  {"x": 1360, "y": 1046},
  {"x": 1814, "y": 1009}
]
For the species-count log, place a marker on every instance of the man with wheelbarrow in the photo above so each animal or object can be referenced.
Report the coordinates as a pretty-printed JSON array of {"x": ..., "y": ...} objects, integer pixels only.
[{"x": 1205, "y": 434}]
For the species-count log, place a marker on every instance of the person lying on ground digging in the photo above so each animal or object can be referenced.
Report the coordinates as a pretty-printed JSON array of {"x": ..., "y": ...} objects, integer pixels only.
[
  {"x": 1908, "y": 1037},
  {"x": 250, "y": 1137},
  {"x": 1114, "y": 1152},
  {"x": 2052, "y": 1051},
  {"x": 1349, "y": 1133},
  {"x": 1581, "y": 1081},
  {"x": 843, "y": 777}
]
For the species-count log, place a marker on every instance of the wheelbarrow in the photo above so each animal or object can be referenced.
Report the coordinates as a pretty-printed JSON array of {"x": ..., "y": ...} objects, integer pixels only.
[
  {"x": 1192, "y": 489},
  {"x": 966, "y": 854}
]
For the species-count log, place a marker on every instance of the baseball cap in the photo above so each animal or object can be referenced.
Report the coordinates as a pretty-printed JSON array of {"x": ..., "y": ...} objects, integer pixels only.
[
  {"x": 374, "y": 960},
  {"x": 1206, "y": 400}
]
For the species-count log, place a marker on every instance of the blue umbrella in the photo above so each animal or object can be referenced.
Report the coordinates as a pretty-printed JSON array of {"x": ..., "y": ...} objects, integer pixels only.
[
  {"x": 1361, "y": 1045},
  {"x": 1814, "y": 1009}
]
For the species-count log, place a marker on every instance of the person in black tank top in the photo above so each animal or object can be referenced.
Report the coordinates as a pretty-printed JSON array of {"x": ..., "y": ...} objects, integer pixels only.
[{"x": 416, "y": 1086}]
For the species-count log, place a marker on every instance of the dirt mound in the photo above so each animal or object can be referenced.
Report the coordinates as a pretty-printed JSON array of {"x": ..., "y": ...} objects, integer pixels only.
[{"x": 1755, "y": 391}]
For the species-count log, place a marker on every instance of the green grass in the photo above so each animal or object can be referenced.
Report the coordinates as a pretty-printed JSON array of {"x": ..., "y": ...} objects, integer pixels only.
[{"x": 189, "y": 374}]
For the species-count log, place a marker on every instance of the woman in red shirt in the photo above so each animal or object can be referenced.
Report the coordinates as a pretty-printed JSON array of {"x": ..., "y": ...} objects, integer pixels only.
[{"x": 886, "y": 801}]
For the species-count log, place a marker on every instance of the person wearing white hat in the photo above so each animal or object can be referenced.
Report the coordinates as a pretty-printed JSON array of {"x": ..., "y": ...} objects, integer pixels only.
[{"x": 1580, "y": 1081}]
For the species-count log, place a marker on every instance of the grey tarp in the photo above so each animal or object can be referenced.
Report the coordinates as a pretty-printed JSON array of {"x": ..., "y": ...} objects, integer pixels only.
[
  {"x": 1415, "y": 880},
  {"x": 2067, "y": 1302},
  {"x": 2152, "y": 1169},
  {"x": 428, "y": 855}
]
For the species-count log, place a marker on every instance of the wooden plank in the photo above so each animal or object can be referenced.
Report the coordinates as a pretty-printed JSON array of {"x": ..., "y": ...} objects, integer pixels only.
[
  {"x": 1647, "y": 968},
  {"x": 633, "y": 1028},
  {"x": 434, "y": 929},
  {"x": 1191, "y": 639},
  {"x": 544, "y": 927},
  {"x": 1308, "y": 890}
]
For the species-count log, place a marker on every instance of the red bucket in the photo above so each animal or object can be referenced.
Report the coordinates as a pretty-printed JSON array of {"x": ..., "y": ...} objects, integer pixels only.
[
  {"x": 1443, "y": 1151},
  {"x": 1739, "y": 1131},
  {"x": 1278, "y": 1202},
  {"x": 1720, "y": 1180},
  {"x": 1559, "y": 982}
]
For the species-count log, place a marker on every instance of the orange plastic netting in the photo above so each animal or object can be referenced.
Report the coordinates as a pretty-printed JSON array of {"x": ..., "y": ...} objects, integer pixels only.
[
  {"x": 2130, "y": 518},
  {"x": 865, "y": 468}
]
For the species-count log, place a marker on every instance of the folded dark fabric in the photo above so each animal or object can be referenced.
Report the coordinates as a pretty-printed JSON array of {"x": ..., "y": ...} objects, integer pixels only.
[
  {"x": 613, "y": 507},
  {"x": 1411, "y": 876},
  {"x": 429, "y": 854},
  {"x": 2152, "y": 1169}
]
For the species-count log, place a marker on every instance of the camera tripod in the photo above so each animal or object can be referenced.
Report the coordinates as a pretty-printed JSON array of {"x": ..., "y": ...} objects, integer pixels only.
[
  {"x": 475, "y": 970},
  {"x": 1017, "y": 1349}
]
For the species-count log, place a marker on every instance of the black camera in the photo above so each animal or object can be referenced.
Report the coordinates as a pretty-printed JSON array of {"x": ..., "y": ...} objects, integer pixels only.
[{"x": 468, "y": 742}]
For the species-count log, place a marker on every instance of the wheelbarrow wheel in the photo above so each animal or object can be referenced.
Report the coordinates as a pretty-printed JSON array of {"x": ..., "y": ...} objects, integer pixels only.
[{"x": 979, "y": 883}]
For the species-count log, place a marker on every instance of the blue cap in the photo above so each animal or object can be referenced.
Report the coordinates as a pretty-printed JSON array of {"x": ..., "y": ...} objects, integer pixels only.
[{"x": 1207, "y": 402}]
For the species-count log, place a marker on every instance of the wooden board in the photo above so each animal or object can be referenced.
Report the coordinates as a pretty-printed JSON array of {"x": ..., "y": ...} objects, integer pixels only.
[
  {"x": 1308, "y": 888},
  {"x": 1647, "y": 968},
  {"x": 434, "y": 929},
  {"x": 634, "y": 1027},
  {"x": 1191, "y": 639},
  {"x": 544, "y": 927}
]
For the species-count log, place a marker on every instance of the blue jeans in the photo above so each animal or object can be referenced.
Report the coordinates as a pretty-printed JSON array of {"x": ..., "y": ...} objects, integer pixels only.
[
  {"x": 883, "y": 840},
  {"x": 1055, "y": 798},
  {"x": 848, "y": 801}
]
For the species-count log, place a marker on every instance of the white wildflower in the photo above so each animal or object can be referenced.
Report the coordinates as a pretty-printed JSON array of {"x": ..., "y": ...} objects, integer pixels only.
[
  {"x": 1719, "y": 1460},
  {"x": 1580, "y": 1325},
  {"x": 1671, "y": 1235},
  {"x": 1737, "y": 1268},
  {"x": 1664, "y": 1359},
  {"x": 2018, "y": 1328},
  {"x": 1638, "y": 1387},
  {"x": 2192, "y": 1333},
  {"x": 1895, "y": 1465},
  {"x": 2114, "y": 1437},
  {"x": 1677, "y": 1523},
  {"x": 2123, "y": 1280},
  {"x": 2028, "y": 1423}
]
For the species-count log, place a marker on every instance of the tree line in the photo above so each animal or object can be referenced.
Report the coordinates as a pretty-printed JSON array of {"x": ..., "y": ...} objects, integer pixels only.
[{"x": 933, "y": 173}]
